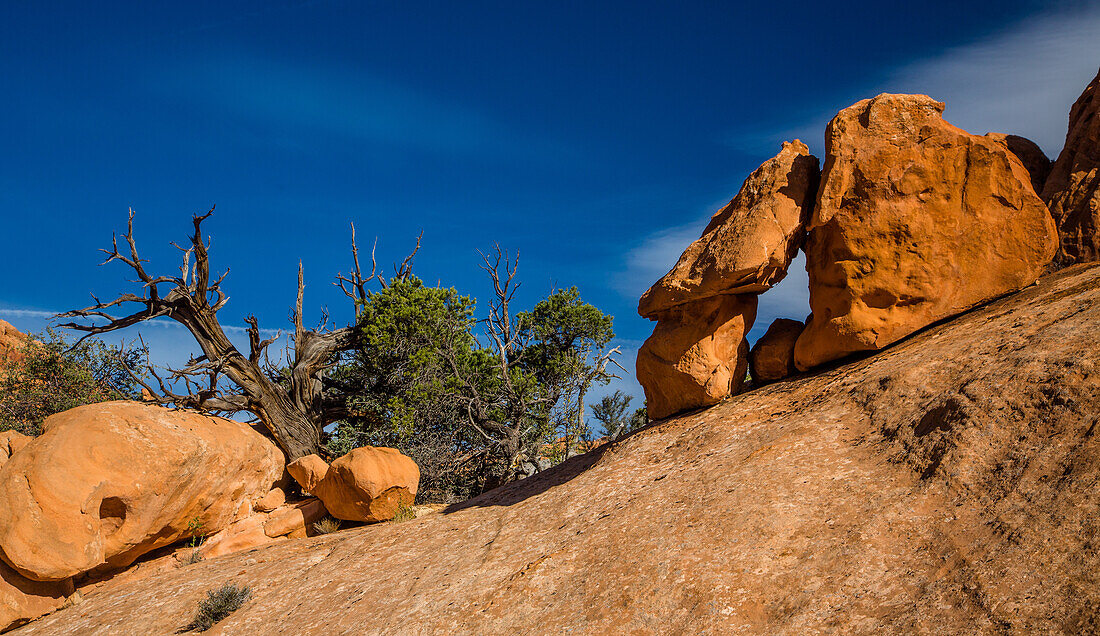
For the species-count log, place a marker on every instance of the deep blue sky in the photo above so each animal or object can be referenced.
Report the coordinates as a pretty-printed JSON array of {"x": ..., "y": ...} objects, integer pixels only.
[{"x": 595, "y": 138}]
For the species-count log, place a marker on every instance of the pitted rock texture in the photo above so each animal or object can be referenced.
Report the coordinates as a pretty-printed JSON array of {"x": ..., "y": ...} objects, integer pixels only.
[
  {"x": 748, "y": 245},
  {"x": 697, "y": 354},
  {"x": 946, "y": 485},
  {"x": 1072, "y": 190},
  {"x": 772, "y": 357},
  {"x": 916, "y": 221},
  {"x": 370, "y": 483},
  {"x": 106, "y": 483}
]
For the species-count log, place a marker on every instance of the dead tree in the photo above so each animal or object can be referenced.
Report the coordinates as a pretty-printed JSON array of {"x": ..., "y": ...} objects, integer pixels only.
[{"x": 294, "y": 404}]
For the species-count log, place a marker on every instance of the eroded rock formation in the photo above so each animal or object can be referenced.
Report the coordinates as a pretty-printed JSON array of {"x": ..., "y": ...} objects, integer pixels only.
[
  {"x": 947, "y": 485},
  {"x": 697, "y": 354},
  {"x": 748, "y": 244},
  {"x": 916, "y": 220},
  {"x": 367, "y": 484},
  {"x": 10, "y": 442},
  {"x": 772, "y": 357},
  {"x": 106, "y": 483},
  {"x": 1072, "y": 190},
  {"x": 22, "y": 599},
  {"x": 1030, "y": 154}
]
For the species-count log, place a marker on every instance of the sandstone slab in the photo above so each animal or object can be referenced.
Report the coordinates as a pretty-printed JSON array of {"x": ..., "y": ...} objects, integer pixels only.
[
  {"x": 748, "y": 244},
  {"x": 697, "y": 354},
  {"x": 22, "y": 599},
  {"x": 916, "y": 220},
  {"x": 106, "y": 483},
  {"x": 1072, "y": 190}
]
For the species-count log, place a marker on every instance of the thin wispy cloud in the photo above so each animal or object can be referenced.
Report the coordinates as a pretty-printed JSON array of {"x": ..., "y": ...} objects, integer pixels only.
[
  {"x": 1020, "y": 81},
  {"x": 297, "y": 101}
]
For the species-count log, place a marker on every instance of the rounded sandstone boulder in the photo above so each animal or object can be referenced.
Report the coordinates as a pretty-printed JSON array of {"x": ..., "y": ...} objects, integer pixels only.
[
  {"x": 697, "y": 354},
  {"x": 916, "y": 221},
  {"x": 10, "y": 442},
  {"x": 772, "y": 357},
  {"x": 106, "y": 483},
  {"x": 367, "y": 484}
]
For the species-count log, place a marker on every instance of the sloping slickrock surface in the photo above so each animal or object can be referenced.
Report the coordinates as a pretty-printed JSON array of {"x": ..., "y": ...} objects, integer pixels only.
[
  {"x": 1072, "y": 190},
  {"x": 916, "y": 220},
  {"x": 946, "y": 485},
  {"x": 748, "y": 244}
]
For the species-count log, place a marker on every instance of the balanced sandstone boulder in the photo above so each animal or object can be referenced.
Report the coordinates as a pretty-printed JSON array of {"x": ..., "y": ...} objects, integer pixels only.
[
  {"x": 1072, "y": 190},
  {"x": 916, "y": 220},
  {"x": 22, "y": 599},
  {"x": 106, "y": 483},
  {"x": 10, "y": 442},
  {"x": 697, "y": 354},
  {"x": 1030, "y": 154},
  {"x": 367, "y": 484},
  {"x": 748, "y": 244},
  {"x": 772, "y": 357}
]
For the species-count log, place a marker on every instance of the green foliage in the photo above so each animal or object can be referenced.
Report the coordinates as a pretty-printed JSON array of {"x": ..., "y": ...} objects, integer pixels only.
[
  {"x": 404, "y": 513},
  {"x": 218, "y": 604},
  {"x": 466, "y": 411},
  {"x": 611, "y": 412},
  {"x": 195, "y": 531},
  {"x": 54, "y": 376}
]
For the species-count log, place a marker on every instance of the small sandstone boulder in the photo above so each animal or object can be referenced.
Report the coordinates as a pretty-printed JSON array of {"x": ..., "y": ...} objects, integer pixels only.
[
  {"x": 1030, "y": 154},
  {"x": 22, "y": 599},
  {"x": 697, "y": 354},
  {"x": 916, "y": 220},
  {"x": 106, "y": 483},
  {"x": 748, "y": 244},
  {"x": 368, "y": 484},
  {"x": 11, "y": 343},
  {"x": 10, "y": 442},
  {"x": 772, "y": 357},
  {"x": 1072, "y": 190}
]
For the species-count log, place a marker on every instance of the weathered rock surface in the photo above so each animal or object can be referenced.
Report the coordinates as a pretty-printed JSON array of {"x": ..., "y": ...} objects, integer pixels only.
[
  {"x": 292, "y": 520},
  {"x": 748, "y": 245},
  {"x": 367, "y": 484},
  {"x": 697, "y": 354},
  {"x": 11, "y": 342},
  {"x": 1030, "y": 154},
  {"x": 947, "y": 485},
  {"x": 10, "y": 442},
  {"x": 106, "y": 483},
  {"x": 916, "y": 220},
  {"x": 1072, "y": 190},
  {"x": 772, "y": 357},
  {"x": 22, "y": 599}
]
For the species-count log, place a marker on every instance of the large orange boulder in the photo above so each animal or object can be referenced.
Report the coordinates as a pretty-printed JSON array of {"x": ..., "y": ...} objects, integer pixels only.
[
  {"x": 697, "y": 354},
  {"x": 1030, "y": 154},
  {"x": 916, "y": 220},
  {"x": 1072, "y": 190},
  {"x": 772, "y": 357},
  {"x": 748, "y": 245},
  {"x": 368, "y": 484},
  {"x": 22, "y": 599},
  {"x": 106, "y": 483},
  {"x": 11, "y": 343},
  {"x": 10, "y": 442}
]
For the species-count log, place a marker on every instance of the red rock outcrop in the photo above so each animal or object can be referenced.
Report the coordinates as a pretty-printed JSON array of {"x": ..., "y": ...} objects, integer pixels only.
[
  {"x": 106, "y": 483},
  {"x": 293, "y": 520},
  {"x": 945, "y": 486},
  {"x": 1072, "y": 190},
  {"x": 10, "y": 442},
  {"x": 1030, "y": 154},
  {"x": 697, "y": 354},
  {"x": 916, "y": 220},
  {"x": 748, "y": 244},
  {"x": 11, "y": 342},
  {"x": 367, "y": 484},
  {"x": 22, "y": 599},
  {"x": 772, "y": 357}
]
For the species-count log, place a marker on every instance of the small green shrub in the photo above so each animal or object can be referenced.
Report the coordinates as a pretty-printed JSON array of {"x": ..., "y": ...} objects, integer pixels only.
[
  {"x": 326, "y": 525},
  {"x": 404, "y": 513},
  {"x": 193, "y": 558},
  {"x": 218, "y": 604},
  {"x": 194, "y": 528}
]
